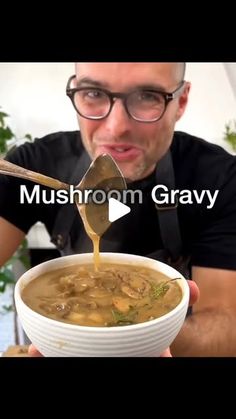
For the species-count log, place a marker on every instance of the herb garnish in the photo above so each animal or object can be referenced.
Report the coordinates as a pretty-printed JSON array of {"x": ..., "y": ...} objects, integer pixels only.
[
  {"x": 158, "y": 290},
  {"x": 123, "y": 319}
]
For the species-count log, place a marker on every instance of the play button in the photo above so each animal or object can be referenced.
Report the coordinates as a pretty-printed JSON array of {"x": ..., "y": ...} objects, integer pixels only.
[
  {"x": 116, "y": 209},
  {"x": 103, "y": 209}
]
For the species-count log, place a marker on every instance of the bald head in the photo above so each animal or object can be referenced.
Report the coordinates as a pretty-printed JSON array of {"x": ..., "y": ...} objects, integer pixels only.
[
  {"x": 181, "y": 67},
  {"x": 166, "y": 75},
  {"x": 178, "y": 71}
]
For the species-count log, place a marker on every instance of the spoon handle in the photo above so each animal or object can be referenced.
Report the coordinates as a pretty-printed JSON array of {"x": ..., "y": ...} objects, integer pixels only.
[{"x": 7, "y": 168}]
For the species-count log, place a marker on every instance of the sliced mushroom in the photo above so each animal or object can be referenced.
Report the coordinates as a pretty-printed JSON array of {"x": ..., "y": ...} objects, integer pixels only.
[
  {"x": 58, "y": 308},
  {"x": 130, "y": 292},
  {"x": 76, "y": 317},
  {"x": 66, "y": 282},
  {"x": 122, "y": 304},
  {"x": 124, "y": 276},
  {"x": 66, "y": 294},
  {"x": 83, "y": 284},
  {"x": 109, "y": 283},
  {"x": 96, "y": 317},
  {"x": 98, "y": 293},
  {"x": 139, "y": 284},
  {"x": 79, "y": 303},
  {"x": 104, "y": 302}
]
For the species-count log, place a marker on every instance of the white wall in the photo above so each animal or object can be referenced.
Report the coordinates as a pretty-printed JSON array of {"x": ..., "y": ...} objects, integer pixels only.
[
  {"x": 211, "y": 102},
  {"x": 34, "y": 95},
  {"x": 230, "y": 69}
]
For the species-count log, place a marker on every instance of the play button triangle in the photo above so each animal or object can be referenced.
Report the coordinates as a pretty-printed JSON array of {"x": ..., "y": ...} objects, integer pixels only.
[{"x": 116, "y": 209}]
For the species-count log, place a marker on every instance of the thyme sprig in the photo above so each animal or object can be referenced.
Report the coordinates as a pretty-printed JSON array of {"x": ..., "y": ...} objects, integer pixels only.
[{"x": 158, "y": 290}]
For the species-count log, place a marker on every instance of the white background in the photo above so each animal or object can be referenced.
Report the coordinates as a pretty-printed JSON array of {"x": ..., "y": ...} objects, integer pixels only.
[{"x": 34, "y": 96}]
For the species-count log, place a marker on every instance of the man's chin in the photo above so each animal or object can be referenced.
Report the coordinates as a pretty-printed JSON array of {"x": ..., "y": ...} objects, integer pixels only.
[{"x": 130, "y": 170}]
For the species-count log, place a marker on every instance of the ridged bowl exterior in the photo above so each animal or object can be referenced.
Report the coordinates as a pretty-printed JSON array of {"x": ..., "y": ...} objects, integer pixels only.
[{"x": 54, "y": 338}]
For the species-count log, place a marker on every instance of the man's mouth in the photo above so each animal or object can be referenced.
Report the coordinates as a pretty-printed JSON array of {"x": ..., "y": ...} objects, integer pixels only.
[{"x": 121, "y": 152}]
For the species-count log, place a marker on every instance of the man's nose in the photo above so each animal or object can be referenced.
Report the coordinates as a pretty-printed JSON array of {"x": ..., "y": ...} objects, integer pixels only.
[{"x": 118, "y": 120}]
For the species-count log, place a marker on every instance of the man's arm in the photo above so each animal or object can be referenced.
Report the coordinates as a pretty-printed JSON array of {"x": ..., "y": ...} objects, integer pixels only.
[
  {"x": 211, "y": 329},
  {"x": 10, "y": 239}
]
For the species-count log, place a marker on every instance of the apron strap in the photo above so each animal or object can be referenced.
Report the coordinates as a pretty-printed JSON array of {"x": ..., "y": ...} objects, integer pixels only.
[
  {"x": 167, "y": 215},
  {"x": 67, "y": 213}
]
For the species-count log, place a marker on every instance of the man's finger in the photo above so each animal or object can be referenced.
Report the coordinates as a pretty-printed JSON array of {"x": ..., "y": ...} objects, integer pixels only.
[
  {"x": 32, "y": 351},
  {"x": 194, "y": 292},
  {"x": 166, "y": 354}
]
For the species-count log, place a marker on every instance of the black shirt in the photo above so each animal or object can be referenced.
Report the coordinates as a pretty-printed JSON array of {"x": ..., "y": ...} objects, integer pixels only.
[{"x": 208, "y": 235}]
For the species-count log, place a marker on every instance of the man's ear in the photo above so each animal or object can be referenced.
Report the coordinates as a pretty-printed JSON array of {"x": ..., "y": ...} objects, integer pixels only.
[{"x": 183, "y": 100}]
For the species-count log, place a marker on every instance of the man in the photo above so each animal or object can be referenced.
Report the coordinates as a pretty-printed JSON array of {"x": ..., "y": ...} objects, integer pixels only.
[{"x": 129, "y": 110}]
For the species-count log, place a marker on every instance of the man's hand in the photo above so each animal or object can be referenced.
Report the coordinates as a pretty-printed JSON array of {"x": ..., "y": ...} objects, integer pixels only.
[
  {"x": 194, "y": 295},
  {"x": 32, "y": 351},
  {"x": 194, "y": 292}
]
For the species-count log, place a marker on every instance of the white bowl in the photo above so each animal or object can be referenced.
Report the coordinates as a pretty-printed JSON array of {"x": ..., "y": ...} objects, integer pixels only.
[{"x": 55, "y": 338}]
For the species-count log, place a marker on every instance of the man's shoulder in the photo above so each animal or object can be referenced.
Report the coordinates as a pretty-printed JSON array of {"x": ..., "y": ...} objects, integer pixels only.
[
  {"x": 186, "y": 143},
  {"x": 65, "y": 139},
  {"x": 198, "y": 162},
  {"x": 48, "y": 154},
  {"x": 191, "y": 150}
]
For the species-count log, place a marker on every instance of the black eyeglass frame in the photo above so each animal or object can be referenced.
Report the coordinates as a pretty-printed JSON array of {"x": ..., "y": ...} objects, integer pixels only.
[{"x": 168, "y": 97}]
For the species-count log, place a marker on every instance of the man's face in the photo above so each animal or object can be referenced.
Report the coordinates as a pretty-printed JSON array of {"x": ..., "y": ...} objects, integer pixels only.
[{"x": 135, "y": 146}]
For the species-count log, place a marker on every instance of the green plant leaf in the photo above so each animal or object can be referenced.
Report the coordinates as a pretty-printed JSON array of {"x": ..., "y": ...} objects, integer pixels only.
[
  {"x": 24, "y": 259},
  {"x": 6, "y": 133},
  {"x": 29, "y": 137},
  {"x": 22, "y": 254},
  {"x": 3, "y": 115},
  {"x": 158, "y": 290},
  {"x": 3, "y": 147},
  {"x": 121, "y": 319},
  {"x": 6, "y": 274},
  {"x": 9, "y": 308},
  {"x": 230, "y": 134},
  {"x": 24, "y": 244},
  {"x": 6, "y": 277}
]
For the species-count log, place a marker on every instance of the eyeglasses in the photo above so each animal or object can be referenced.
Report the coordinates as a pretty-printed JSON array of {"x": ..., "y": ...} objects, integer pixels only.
[{"x": 143, "y": 105}]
